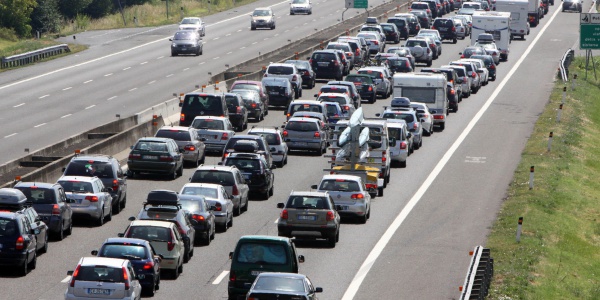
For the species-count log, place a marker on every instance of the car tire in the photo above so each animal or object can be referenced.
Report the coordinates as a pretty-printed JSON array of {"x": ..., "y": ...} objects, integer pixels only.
[
  {"x": 180, "y": 171},
  {"x": 176, "y": 272},
  {"x": 24, "y": 268},
  {"x": 230, "y": 223},
  {"x": 245, "y": 207},
  {"x": 363, "y": 219},
  {"x": 116, "y": 208},
  {"x": 100, "y": 220},
  {"x": 442, "y": 126},
  {"x": 271, "y": 192},
  {"x": 33, "y": 264},
  {"x": 429, "y": 63},
  {"x": 173, "y": 53},
  {"x": 69, "y": 229},
  {"x": 403, "y": 164},
  {"x": 373, "y": 99},
  {"x": 150, "y": 292},
  {"x": 110, "y": 214},
  {"x": 380, "y": 192},
  {"x": 186, "y": 255},
  {"x": 130, "y": 174},
  {"x": 331, "y": 241},
  {"x": 60, "y": 235},
  {"x": 454, "y": 40},
  {"x": 237, "y": 211},
  {"x": 208, "y": 238},
  {"x": 252, "y": 28}
]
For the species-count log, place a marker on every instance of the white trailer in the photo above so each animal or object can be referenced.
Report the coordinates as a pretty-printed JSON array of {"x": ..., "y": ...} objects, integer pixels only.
[
  {"x": 495, "y": 23},
  {"x": 535, "y": 12},
  {"x": 519, "y": 17},
  {"x": 428, "y": 88}
]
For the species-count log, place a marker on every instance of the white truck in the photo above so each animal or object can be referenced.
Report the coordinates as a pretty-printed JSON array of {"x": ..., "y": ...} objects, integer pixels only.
[
  {"x": 519, "y": 18},
  {"x": 428, "y": 88},
  {"x": 495, "y": 23},
  {"x": 535, "y": 12}
]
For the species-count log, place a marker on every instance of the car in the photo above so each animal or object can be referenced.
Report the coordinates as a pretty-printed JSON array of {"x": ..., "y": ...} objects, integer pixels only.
[
  {"x": 454, "y": 90},
  {"x": 279, "y": 90},
  {"x": 353, "y": 92},
  {"x": 50, "y": 202},
  {"x": 103, "y": 277},
  {"x": 14, "y": 201},
  {"x": 19, "y": 251},
  {"x": 359, "y": 46},
  {"x": 300, "y": 6},
  {"x": 214, "y": 131},
  {"x": 481, "y": 69},
  {"x": 434, "y": 41},
  {"x": 105, "y": 167},
  {"x": 461, "y": 28},
  {"x": 251, "y": 85},
  {"x": 365, "y": 85},
  {"x": 345, "y": 61},
  {"x": 188, "y": 141},
  {"x": 374, "y": 28},
  {"x": 309, "y": 114},
  {"x": 490, "y": 49},
  {"x": 421, "y": 6},
  {"x": 403, "y": 52},
  {"x": 255, "y": 107},
  {"x": 258, "y": 176},
  {"x": 155, "y": 155},
  {"x": 193, "y": 23},
  {"x": 489, "y": 63},
  {"x": 413, "y": 21},
  {"x": 380, "y": 59},
  {"x": 343, "y": 100},
  {"x": 572, "y": 5},
  {"x": 140, "y": 254},
  {"x": 381, "y": 77},
  {"x": 472, "y": 73},
  {"x": 348, "y": 52},
  {"x": 466, "y": 11},
  {"x": 307, "y": 105},
  {"x": 90, "y": 199},
  {"x": 425, "y": 116},
  {"x": 186, "y": 42},
  {"x": 399, "y": 64},
  {"x": 230, "y": 178},
  {"x": 202, "y": 104},
  {"x": 472, "y": 5},
  {"x": 335, "y": 89},
  {"x": 298, "y": 286},
  {"x": 306, "y": 134},
  {"x": 326, "y": 64},
  {"x": 238, "y": 113},
  {"x": 446, "y": 29},
  {"x": 402, "y": 25},
  {"x": 309, "y": 76},
  {"x": 308, "y": 214},
  {"x": 274, "y": 138},
  {"x": 392, "y": 33},
  {"x": 164, "y": 238},
  {"x": 463, "y": 78},
  {"x": 289, "y": 72},
  {"x": 334, "y": 112},
  {"x": 372, "y": 21},
  {"x": 420, "y": 50},
  {"x": 262, "y": 17},
  {"x": 436, "y": 8},
  {"x": 401, "y": 142},
  {"x": 424, "y": 19},
  {"x": 412, "y": 121},
  {"x": 262, "y": 146},
  {"x": 453, "y": 96},
  {"x": 351, "y": 197},
  {"x": 200, "y": 216},
  {"x": 164, "y": 205},
  {"x": 216, "y": 196},
  {"x": 467, "y": 21},
  {"x": 374, "y": 41}
]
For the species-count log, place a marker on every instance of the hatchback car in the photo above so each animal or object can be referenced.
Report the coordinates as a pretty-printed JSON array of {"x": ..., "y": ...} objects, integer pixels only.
[
  {"x": 401, "y": 24},
  {"x": 446, "y": 28},
  {"x": 262, "y": 18},
  {"x": 255, "y": 107},
  {"x": 19, "y": 243},
  {"x": 420, "y": 50},
  {"x": 269, "y": 285},
  {"x": 106, "y": 278},
  {"x": 489, "y": 63},
  {"x": 143, "y": 259},
  {"x": 90, "y": 199},
  {"x": 305, "y": 134},
  {"x": 215, "y": 131},
  {"x": 190, "y": 144},
  {"x": 202, "y": 104},
  {"x": 399, "y": 65},
  {"x": 365, "y": 86},
  {"x": 412, "y": 121},
  {"x": 374, "y": 40},
  {"x": 186, "y": 42},
  {"x": 472, "y": 50},
  {"x": 309, "y": 214},
  {"x": 382, "y": 79},
  {"x": 238, "y": 113},
  {"x": 230, "y": 178},
  {"x": 251, "y": 85},
  {"x": 392, "y": 33},
  {"x": 351, "y": 197},
  {"x": 259, "y": 177},
  {"x": 262, "y": 146},
  {"x": 572, "y": 5},
  {"x": 289, "y": 72},
  {"x": 216, "y": 196},
  {"x": 306, "y": 105},
  {"x": 155, "y": 155},
  {"x": 326, "y": 64},
  {"x": 354, "y": 94},
  {"x": 344, "y": 101},
  {"x": 279, "y": 90},
  {"x": 425, "y": 116},
  {"x": 300, "y": 6},
  {"x": 308, "y": 75},
  {"x": 403, "y": 52},
  {"x": 200, "y": 216},
  {"x": 401, "y": 142},
  {"x": 423, "y": 18},
  {"x": 274, "y": 138},
  {"x": 14, "y": 201}
]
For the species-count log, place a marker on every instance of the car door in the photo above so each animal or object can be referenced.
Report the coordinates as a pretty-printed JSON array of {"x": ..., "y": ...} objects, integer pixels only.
[
  {"x": 242, "y": 186},
  {"x": 135, "y": 284},
  {"x": 100, "y": 189},
  {"x": 27, "y": 232},
  {"x": 66, "y": 211},
  {"x": 39, "y": 228}
]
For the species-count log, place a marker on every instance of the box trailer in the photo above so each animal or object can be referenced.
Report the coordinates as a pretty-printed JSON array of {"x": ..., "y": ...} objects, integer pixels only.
[
  {"x": 495, "y": 23},
  {"x": 519, "y": 17}
]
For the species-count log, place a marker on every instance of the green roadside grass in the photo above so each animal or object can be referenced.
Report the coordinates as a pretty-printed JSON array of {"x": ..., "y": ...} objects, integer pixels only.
[{"x": 559, "y": 253}]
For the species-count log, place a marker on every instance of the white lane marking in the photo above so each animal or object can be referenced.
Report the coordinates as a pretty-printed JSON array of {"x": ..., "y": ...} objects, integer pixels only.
[
  {"x": 389, "y": 233},
  {"x": 151, "y": 82},
  {"x": 90, "y": 106},
  {"x": 113, "y": 97},
  {"x": 133, "y": 89},
  {"x": 215, "y": 38},
  {"x": 39, "y": 125},
  {"x": 160, "y": 57},
  {"x": 66, "y": 279},
  {"x": 265, "y": 39},
  {"x": 229, "y": 52},
  {"x": 42, "y": 97},
  {"x": 169, "y": 75},
  {"x": 239, "y": 30},
  {"x": 276, "y": 34},
  {"x": 216, "y": 57},
  {"x": 143, "y": 63},
  {"x": 186, "y": 69},
  {"x": 88, "y": 81},
  {"x": 126, "y": 68},
  {"x": 228, "y": 34},
  {"x": 19, "y": 105},
  {"x": 106, "y": 75},
  {"x": 243, "y": 48},
  {"x": 202, "y": 63},
  {"x": 124, "y": 51},
  {"x": 67, "y": 88},
  {"x": 65, "y": 116},
  {"x": 286, "y": 30},
  {"x": 254, "y": 43},
  {"x": 12, "y": 134},
  {"x": 306, "y": 23},
  {"x": 220, "y": 277}
]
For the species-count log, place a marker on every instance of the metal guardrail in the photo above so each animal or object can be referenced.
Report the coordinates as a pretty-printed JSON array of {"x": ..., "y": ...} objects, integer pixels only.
[
  {"x": 565, "y": 62},
  {"x": 479, "y": 276},
  {"x": 33, "y": 56}
]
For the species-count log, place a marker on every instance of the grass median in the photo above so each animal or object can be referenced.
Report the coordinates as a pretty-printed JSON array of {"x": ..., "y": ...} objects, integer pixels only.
[{"x": 559, "y": 253}]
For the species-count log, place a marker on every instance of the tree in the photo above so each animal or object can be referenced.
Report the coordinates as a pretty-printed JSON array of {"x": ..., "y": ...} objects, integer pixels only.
[
  {"x": 100, "y": 8},
  {"x": 70, "y": 8},
  {"x": 46, "y": 16},
  {"x": 16, "y": 14}
]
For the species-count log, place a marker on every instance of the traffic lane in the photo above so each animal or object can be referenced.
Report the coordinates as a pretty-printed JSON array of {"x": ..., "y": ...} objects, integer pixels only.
[{"x": 456, "y": 212}]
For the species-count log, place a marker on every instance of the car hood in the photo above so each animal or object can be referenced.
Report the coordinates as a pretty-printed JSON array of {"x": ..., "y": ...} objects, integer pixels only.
[
  {"x": 300, "y": 5},
  {"x": 257, "y": 18}
]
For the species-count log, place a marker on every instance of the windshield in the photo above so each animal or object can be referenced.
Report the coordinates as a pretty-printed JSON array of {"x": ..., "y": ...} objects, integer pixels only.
[
  {"x": 301, "y": 126},
  {"x": 208, "y": 192},
  {"x": 213, "y": 176},
  {"x": 184, "y": 35},
  {"x": 134, "y": 252},
  {"x": 261, "y": 13},
  {"x": 76, "y": 186},
  {"x": 339, "y": 185},
  {"x": 279, "y": 283}
]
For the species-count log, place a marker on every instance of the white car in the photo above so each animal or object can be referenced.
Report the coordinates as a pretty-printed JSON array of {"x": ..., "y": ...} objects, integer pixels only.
[
  {"x": 425, "y": 115},
  {"x": 300, "y": 6},
  {"x": 193, "y": 23},
  {"x": 343, "y": 100},
  {"x": 216, "y": 132},
  {"x": 481, "y": 69},
  {"x": 350, "y": 193},
  {"x": 277, "y": 145},
  {"x": 401, "y": 146},
  {"x": 491, "y": 49},
  {"x": 103, "y": 277},
  {"x": 216, "y": 196}
]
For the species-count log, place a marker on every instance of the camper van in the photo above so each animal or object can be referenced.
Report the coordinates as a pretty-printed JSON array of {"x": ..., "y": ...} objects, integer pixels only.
[
  {"x": 519, "y": 21},
  {"x": 495, "y": 23},
  {"x": 428, "y": 88}
]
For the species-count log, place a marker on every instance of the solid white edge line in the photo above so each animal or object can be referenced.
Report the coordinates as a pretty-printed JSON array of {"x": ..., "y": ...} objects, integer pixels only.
[
  {"x": 220, "y": 277},
  {"x": 389, "y": 233},
  {"x": 12, "y": 134}
]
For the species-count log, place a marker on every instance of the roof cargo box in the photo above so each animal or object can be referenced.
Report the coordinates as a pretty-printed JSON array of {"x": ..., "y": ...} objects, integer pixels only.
[
  {"x": 245, "y": 146},
  {"x": 400, "y": 102},
  {"x": 163, "y": 197},
  {"x": 12, "y": 198}
]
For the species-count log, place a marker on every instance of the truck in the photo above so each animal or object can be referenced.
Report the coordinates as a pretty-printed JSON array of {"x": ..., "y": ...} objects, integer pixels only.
[
  {"x": 519, "y": 18},
  {"x": 428, "y": 88},
  {"x": 495, "y": 23},
  {"x": 535, "y": 12}
]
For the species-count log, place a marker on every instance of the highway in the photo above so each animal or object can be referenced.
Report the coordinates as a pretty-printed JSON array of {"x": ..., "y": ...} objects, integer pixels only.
[{"x": 415, "y": 246}]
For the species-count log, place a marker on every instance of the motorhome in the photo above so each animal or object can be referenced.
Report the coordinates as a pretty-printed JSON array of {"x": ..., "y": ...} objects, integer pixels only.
[
  {"x": 519, "y": 19},
  {"x": 428, "y": 88},
  {"x": 495, "y": 23}
]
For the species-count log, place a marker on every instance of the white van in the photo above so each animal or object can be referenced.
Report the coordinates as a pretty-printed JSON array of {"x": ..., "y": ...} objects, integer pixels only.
[
  {"x": 428, "y": 88},
  {"x": 495, "y": 23},
  {"x": 519, "y": 20}
]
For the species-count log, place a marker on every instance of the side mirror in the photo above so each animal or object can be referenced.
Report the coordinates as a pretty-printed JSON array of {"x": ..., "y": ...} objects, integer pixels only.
[
  {"x": 378, "y": 115},
  {"x": 314, "y": 187},
  {"x": 283, "y": 126},
  {"x": 459, "y": 53},
  {"x": 159, "y": 257},
  {"x": 318, "y": 290},
  {"x": 220, "y": 163},
  {"x": 108, "y": 190},
  {"x": 180, "y": 104},
  {"x": 94, "y": 252},
  {"x": 64, "y": 169},
  {"x": 132, "y": 218},
  {"x": 230, "y": 255},
  {"x": 301, "y": 258},
  {"x": 120, "y": 234},
  {"x": 130, "y": 147},
  {"x": 280, "y": 205},
  {"x": 316, "y": 95},
  {"x": 170, "y": 40},
  {"x": 308, "y": 58}
]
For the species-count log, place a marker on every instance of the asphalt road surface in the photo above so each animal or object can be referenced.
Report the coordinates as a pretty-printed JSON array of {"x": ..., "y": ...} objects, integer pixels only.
[{"x": 415, "y": 246}]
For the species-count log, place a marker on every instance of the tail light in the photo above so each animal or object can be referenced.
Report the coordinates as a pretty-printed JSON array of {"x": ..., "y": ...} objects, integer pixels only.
[
  {"x": 20, "y": 244},
  {"x": 125, "y": 278},
  {"x": 165, "y": 158},
  {"x": 285, "y": 133},
  {"x": 357, "y": 52},
  {"x": 75, "y": 273},
  {"x": 462, "y": 56},
  {"x": 180, "y": 229},
  {"x": 493, "y": 53},
  {"x": 238, "y": 110},
  {"x": 381, "y": 75},
  {"x": 148, "y": 265},
  {"x": 432, "y": 27},
  {"x": 428, "y": 50},
  {"x": 336, "y": 63},
  {"x": 310, "y": 61},
  {"x": 199, "y": 218},
  {"x": 225, "y": 155},
  {"x": 115, "y": 185},
  {"x": 357, "y": 196},
  {"x": 453, "y": 28},
  {"x": 380, "y": 174},
  {"x": 330, "y": 215},
  {"x": 235, "y": 191},
  {"x": 278, "y": 139},
  {"x": 473, "y": 74},
  {"x": 438, "y": 117},
  {"x": 383, "y": 158},
  {"x": 182, "y": 117},
  {"x": 218, "y": 207},
  {"x": 170, "y": 243},
  {"x": 370, "y": 88},
  {"x": 369, "y": 186},
  {"x": 55, "y": 210},
  {"x": 306, "y": 73},
  {"x": 232, "y": 276},
  {"x": 346, "y": 107},
  {"x": 410, "y": 9},
  {"x": 349, "y": 54},
  {"x": 253, "y": 105},
  {"x": 376, "y": 42},
  {"x": 452, "y": 92},
  {"x": 284, "y": 214},
  {"x": 465, "y": 79},
  {"x": 492, "y": 66},
  {"x": 428, "y": 10},
  {"x": 407, "y": 64},
  {"x": 432, "y": 46},
  {"x": 135, "y": 156},
  {"x": 295, "y": 77},
  {"x": 189, "y": 148},
  {"x": 91, "y": 198},
  {"x": 403, "y": 145},
  {"x": 317, "y": 134},
  {"x": 437, "y": 5},
  {"x": 418, "y": 27},
  {"x": 224, "y": 136}
]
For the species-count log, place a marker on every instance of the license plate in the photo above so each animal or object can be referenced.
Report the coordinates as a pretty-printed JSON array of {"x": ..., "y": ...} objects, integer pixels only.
[
  {"x": 150, "y": 157},
  {"x": 323, "y": 64},
  {"x": 246, "y": 177},
  {"x": 308, "y": 218},
  {"x": 255, "y": 273},
  {"x": 371, "y": 159},
  {"x": 183, "y": 48},
  {"x": 301, "y": 144},
  {"x": 99, "y": 291}
]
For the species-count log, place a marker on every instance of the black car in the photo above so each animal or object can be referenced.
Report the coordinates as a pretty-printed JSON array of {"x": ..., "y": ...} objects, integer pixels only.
[
  {"x": 446, "y": 28},
  {"x": 422, "y": 17},
  {"x": 574, "y": 5},
  {"x": 488, "y": 61},
  {"x": 452, "y": 97},
  {"x": 306, "y": 72},
  {"x": 256, "y": 108},
  {"x": 399, "y": 64},
  {"x": 365, "y": 86},
  {"x": 142, "y": 256},
  {"x": 258, "y": 175},
  {"x": 435, "y": 8},
  {"x": 186, "y": 42},
  {"x": 105, "y": 167},
  {"x": 164, "y": 205},
  {"x": 391, "y": 32},
  {"x": 201, "y": 104},
  {"x": 201, "y": 216},
  {"x": 263, "y": 146},
  {"x": 51, "y": 203},
  {"x": 401, "y": 24},
  {"x": 326, "y": 64},
  {"x": 155, "y": 155},
  {"x": 238, "y": 114}
]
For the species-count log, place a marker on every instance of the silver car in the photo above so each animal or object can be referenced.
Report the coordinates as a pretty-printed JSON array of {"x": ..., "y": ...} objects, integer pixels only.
[
  {"x": 193, "y": 23},
  {"x": 425, "y": 116},
  {"x": 215, "y": 195},
  {"x": 274, "y": 137},
  {"x": 349, "y": 193},
  {"x": 216, "y": 131},
  {"x": 491, "y": 49},
  {"x": 91, "y": 198},
  {"x": 305, "y": 134},
  {"x": 461, "y": 28},
  {"x": 230, "y": 178},
  {"x": 412, "y": 121},
  {"x": 421, "y": 50},
  {"x": 190, "y": 145},
  {"x": 466, "y": 80},
  {"x": 262, "y": 17},
  {"x": 300, "y": 6},
  {"x": 381, "y": 77},
  {"x": 374, "y": 41},
  {"x": 401, "y": 142},
  {"x": 475, "y": 80}
]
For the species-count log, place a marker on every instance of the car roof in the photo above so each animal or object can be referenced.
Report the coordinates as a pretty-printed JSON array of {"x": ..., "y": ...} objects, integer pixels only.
[
  {"x": 9, "y": 215},
  {"x": 210, "y": 117},
  {"x": 123, "y": 240},
  {"x": 334, "y": 94},
  {"x": 43, "y": 185},
  {"x": 154, "y": 223},
  {"x": 247, "y": 137},
  {"x": 305, "y": 102},
  {"x": 282, "y": 274},
  {"x": 341, "y": 176},
  {"x": 95, "y": 157},
  {"x": 335, "y": 86},
  {"x": 282, "y": 64},
  {"x": 397, "y": 123},
  {"x": 103, "y": 261},
  {"x": 154, "y": 139},
  {"x": 264, "y": 238},
  {"x": 302, "y": 119},
  {"x": 79, "y": 178},
  {"x": 244, "y": 155},
  {"x": 259, "y": 129},
  {"x": 216, "y": 167},
  {"x": 198, "y": 184},
  {"x": 179, "y": 128}
]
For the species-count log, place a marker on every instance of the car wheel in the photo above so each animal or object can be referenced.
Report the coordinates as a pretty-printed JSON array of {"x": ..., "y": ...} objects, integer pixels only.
[
  {"x": 271, "y": 191},
  {"x": 380, "y": 192},
  {"x": 230, "y": 223},
  {"x": 252, "y": 28},
  {"x": 124, "y": 202},
  {"x": 100, "y": 220},
  {"x": 429, "y": 63},
  {"x": 291, "y": 13},
  {"x": 33, "y": 264},
  {"x": 151, "y": 291},
  {"x": 245, "y": 207},
  {"x": 363, "y": 219},
  {"x": 173, "y": 53},
  {"x": 331, "y": 241},
  {"x": 130, "y": 173},
  {"x": 403, "y": 164},
  {"x": 442, "y": 126},
  {"x": 186, "y": 255},
  {"x": 23, "y": 269},
  {"x": 116, "y": 208},
  {"x": 237, "y": 211},
  {"x": 69, "y": 229},
  {"x": 208, "y": 238},
  {"x": 180, "y": 171},
  {"x": 454, "y": 40},
  {"x": 60, "y": 235},
  {"x": 110, "y": 213},
  {"x": 373, "y": 99},
  {"x": 45, "y": 248},
  {"x": 176, "y": 272}
]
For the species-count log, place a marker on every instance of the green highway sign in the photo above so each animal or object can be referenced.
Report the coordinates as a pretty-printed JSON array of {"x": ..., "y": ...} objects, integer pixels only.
[
  {"x": 361, "y": 3},
  {"x": 589, "y": 31}
]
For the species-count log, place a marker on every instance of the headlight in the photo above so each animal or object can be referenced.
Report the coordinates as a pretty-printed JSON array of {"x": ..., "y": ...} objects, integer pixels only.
[{"x": 173, "y": 45}]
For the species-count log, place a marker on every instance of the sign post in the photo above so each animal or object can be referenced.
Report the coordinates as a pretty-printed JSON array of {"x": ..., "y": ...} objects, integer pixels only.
[{"x": 589, "y": 37}]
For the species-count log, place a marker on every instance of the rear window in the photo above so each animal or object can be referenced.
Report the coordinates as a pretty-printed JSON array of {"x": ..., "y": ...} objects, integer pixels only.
[
  {"x": 460, "y": 72},
  {"x": 151, "y": 146},
  {"x": 275, "y": 83},
  {"x": 301, "y": 126},
  {"x": 177, "y": 135},
  {"x": 213, "y": 176},
  {"x": 150, "y": 233},
  {"x": 243, "y": 164},
  {"x": 419, "y": 6},
  {"x": 334, "y": 89},
  {"x": 201, "y": 103},
  {"x": 323, "y": 56},
  {"x": 202, "y": 191},
  {"x": 246, "y": 95},
  {"x": 339, "y": 185},
  {"x": 332, "y": 110},
  {"x": 339, "y": 47},
  {"x": 398, "y": 22},
  {"x": 8, "y": 228},
  {"x": 406, "y": 117},
  {"x": 304, "y": 202},
  {"x": 443, "y": 23},
  {"x": 389, "y": 28},
  {"x": 231, "y": 101},
  {"x": 245, "y": 86},
  {"x": 192, "y": 205},
  {"x": 208, "y": 124},
  {"x": 280, "y": 70},
  {"x": 263, "y": 253},
  {"x": 39, "y": 195},
  {"x": 306, "y": 107},
  {"x": 76, "y": 186},
  {"x": 340, "y": 100},
  {"x": 414, "y": 43},
  {"x": 272, "y": 138},
  {"x": 394, "y": 133},
  {"x": 89, "y": 168},
  {"x": 100, "y": 273},
  {"x": 361, "y": 79},
  {"x": 234, "y": 140},
  {"x": 131, "y": 252},
  {"x": 372, "y": 74}
]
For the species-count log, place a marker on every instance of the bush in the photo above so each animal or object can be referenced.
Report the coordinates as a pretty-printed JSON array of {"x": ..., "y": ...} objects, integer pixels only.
[{"x": 8, "y": 34}]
